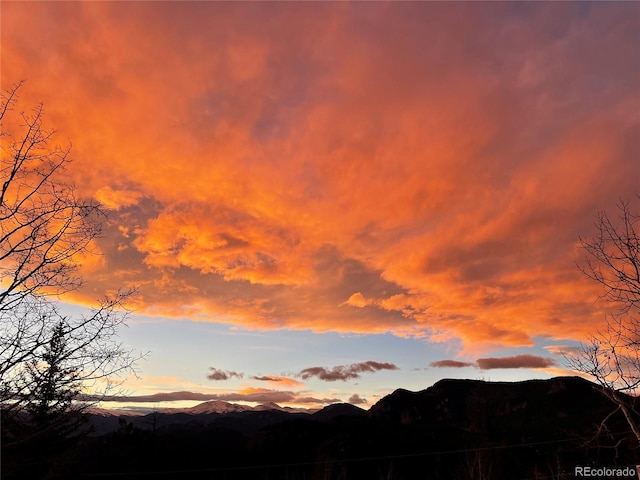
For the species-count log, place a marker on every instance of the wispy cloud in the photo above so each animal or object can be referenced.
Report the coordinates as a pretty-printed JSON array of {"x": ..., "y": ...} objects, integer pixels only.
[
  {"x": 155, "y": 397},
  {"x": 345, "y": 372},
  {"x": 451, "y": 364},
  {"x": 247, "y": 395},
  {"x": 280, "y": 380},
  {"x": 266, "y": 379},
  {"x": 563, "y": 350},
  {"x": 312, "y": 400}
]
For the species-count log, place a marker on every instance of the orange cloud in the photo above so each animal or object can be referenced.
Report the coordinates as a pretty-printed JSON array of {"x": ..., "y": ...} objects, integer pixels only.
[
  {"x": 424, "y": 172},
  {"x": 357, "y": 300},
  {"x": 280, "y": 380},
  {"x": 114, "y": 199}
]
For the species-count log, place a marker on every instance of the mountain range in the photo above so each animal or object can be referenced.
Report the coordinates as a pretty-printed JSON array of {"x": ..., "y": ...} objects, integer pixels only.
[
  {"x": 455, "y": 429},
  {"x": 243, "y": 418}
]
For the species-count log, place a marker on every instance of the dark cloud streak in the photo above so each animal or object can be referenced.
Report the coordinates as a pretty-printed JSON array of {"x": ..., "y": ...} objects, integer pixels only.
[
  {"x": 517, "y": 361},
  {"x": 345, "y": 372},
  {"x": 266, "y": 378},
  {"x": 266, "y": 396},
  {"x": 451, "y": 364},
  {"x": 355, "y": 399},
  {"x": 491, "y": 363},
  {"x": 217, "y": 374}
]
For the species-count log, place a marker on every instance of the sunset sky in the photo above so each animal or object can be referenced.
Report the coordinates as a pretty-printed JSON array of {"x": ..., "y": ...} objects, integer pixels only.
[{"x": 323, "y": 202}]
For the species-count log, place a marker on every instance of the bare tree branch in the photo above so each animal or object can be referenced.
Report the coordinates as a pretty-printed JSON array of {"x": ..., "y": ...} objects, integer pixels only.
[
  {"x": 48, "y": 359},
  {"x": 612, "y": 355}
]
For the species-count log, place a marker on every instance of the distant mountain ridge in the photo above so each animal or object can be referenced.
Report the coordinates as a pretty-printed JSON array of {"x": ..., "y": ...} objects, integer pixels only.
[
  {"x": 449, "y": 403},
  {"x": 216, "y": 413},
  {"x": 452, "y": 430},
  {"x": 459, "y": 388},
  {"x": 212, "y": 406}
]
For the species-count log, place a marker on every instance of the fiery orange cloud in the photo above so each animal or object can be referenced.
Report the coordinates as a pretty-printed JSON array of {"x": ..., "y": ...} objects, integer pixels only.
[
  {"x": 114, "y": 199},
  {"x": 419, "y": 169}
]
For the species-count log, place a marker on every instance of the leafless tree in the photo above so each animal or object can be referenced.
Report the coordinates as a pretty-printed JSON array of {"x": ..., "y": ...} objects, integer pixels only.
[
  {"x": 612, "y": 355},
  {"x": 613, "y": 258},
  {"x": 92, "y": 352},
  {"x": 46, "y": 228}
]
